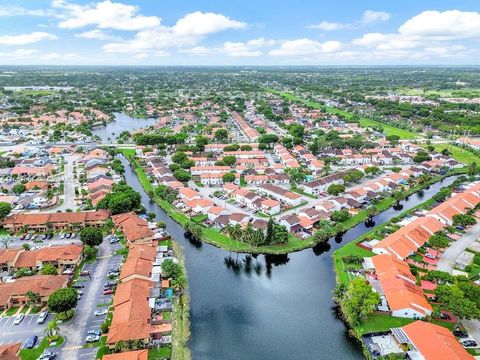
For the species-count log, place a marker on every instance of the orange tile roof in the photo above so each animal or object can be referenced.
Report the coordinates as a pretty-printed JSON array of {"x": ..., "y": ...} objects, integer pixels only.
[
  {"x": 399, "y": 285},
  {"x": 129, "y": 355},
  {"x": 10, "y": 351},
  {"x": 134, "y": 227},
  {"x": 435, "y": 342}
]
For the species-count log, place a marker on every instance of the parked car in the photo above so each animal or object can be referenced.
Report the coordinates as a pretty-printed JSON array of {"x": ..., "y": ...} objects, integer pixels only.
[
  {"x": 50, "y": 236},
  {"x": 31, "y": 342},
  {"x": 42, "y": 317},
  {"x": 460, "y": 334},
  {"x": 92, "y": 338},
  {"x": 107, "y": 292},
  {"x": 62, "y": 236},
  {"x": 113, "y": 273},
  {"x": 114, "y": 240},
  {"x": 469, "y": 343},
  {"x": 94, "y": 332},
  {"x": 101, "y": 312},
  {"x": 85, "y": 273},
  {"x": 445, "y": 316},
  {"x": 78, "y": 285},
  {"x": 44, "y": 237},
  {"x": 110, "y": 284},
  {"x": 18, "y": 319},
  {"x": 68, "y": 236},
  {"x": 74, "y": 235},
  {"x": 48, "y": 355}
]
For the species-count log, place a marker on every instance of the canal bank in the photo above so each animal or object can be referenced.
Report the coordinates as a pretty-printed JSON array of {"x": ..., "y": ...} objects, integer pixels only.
[{"x": 267, "y": 306}]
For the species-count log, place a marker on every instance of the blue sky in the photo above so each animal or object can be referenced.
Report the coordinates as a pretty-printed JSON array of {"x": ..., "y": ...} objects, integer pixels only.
[{"x": 240, "y": 32}]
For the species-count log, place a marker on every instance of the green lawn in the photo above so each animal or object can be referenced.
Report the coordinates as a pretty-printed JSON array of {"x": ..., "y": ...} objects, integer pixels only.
[
  {"x": 380, "y": 322},
  {"x": 34, "y": 354},
  {"x": 11, "y": 311},
  {"x": 364, "y": 122},
  {"x": 459, "y": 154},
  {"x": 157, "y": 354}
]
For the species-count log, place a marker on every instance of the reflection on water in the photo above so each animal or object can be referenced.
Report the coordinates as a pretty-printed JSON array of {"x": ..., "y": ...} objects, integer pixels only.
[
  {"x": 122, "y": 122},
  {"x": 269, "y": 307}
]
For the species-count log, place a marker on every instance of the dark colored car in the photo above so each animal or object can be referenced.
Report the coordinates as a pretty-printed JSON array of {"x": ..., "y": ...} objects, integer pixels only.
[
  {"x": 469, "y": 343},
  {"x": 460, "y": 334},
  {"x": 445, "y": 316},
  {"x": 78, "y": 285},
  {"x": 31, "y": 342}
]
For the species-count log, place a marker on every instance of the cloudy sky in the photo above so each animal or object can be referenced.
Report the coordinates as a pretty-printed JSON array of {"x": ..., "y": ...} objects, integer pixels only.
[{"x": 240, "y": 32}]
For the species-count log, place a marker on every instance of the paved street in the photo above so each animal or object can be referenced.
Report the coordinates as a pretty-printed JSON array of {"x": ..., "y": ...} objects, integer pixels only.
[
  {"x": 75, "y": 332},
  {"x": 447, "y": 260},
  {"x": 68, "y": 186}
]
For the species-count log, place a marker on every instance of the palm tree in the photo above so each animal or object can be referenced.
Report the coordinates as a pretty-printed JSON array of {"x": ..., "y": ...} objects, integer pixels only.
[
  {"x": 52, "y": 328},
  {"x": 234, "y": 232},
  {"x": 248, "y": 235}
]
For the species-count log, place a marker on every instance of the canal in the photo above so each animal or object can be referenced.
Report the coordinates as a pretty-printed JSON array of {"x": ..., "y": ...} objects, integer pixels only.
[{"x": 269, "y": 307}]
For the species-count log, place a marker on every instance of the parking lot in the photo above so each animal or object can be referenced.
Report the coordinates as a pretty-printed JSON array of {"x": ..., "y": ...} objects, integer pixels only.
[
  {"x": 40, "y": 242},
  {"x": 91, "y": 301},
  {"x": 11, "y": 333}
]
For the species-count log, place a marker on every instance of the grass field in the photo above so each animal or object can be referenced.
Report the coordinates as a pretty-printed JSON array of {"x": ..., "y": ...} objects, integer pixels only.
[
  {"x": 462, "y": 155},
  {"x": 364, "y": 122},
  {"x": 34, "y": 354}
]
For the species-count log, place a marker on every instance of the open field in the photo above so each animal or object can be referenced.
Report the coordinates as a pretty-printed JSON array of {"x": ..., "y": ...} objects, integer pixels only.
[{"x": 462, "y": 155}]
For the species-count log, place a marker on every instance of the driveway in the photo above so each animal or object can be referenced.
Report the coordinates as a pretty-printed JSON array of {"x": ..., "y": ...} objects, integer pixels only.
[
  {"x": 85, "y": 319},
  {"x": 450, "y": 256}
]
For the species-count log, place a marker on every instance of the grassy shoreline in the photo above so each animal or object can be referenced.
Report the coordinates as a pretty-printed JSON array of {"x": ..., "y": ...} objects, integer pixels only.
[
  {"x": 214, "y": 237},
  {"x": 181, "y": 316},
  {"x": 376, "y": 322}
]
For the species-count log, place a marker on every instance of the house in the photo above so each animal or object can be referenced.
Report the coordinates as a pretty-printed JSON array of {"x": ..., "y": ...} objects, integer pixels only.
[
  {"x": 270, "y": 206},
  {"x": 200, "y": 206},
  {"x": 321, "y": 185},
  {"x": 135, "y": 229},
  {"x": 187, "y": 194},
  {"x": 237, "y": 218},
  {"x": 14, "y": 294},
  {"x": 62, "y": 257},
  {"x": 215, "y": 211},
  {"x": 428, "y": 341},
  {"x": 129, "y": 355},
  {"x": 10, "y": 351},
  {"x": 56, "y": 221},
  {"x": 398, "y": 289},
  {"x": 291, "y": 222},
  {"x": 406, "y": 241},
  {"x": 281, "y": 194}
]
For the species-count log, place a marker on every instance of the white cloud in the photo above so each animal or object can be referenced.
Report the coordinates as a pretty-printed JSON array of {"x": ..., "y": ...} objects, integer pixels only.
[
  {"x": 305, "y": 47},
  {"x": 13, "y": 10},
  {"x": 248, "y": 49},
  {"x": 370, "y": 16},
  {"x": 187, "y": 32},
  {"x": 199, "y": 23},
  {"x": 447, "y": 25},
  {"x": 104, "y": 15},
  {"x": 197, "y": 51},
  {"x": 20, "y": 54},
  {"x": 25, "y": 39},
  {"x": 329, "y": 26},
  {"x": 95, "y": 34}
]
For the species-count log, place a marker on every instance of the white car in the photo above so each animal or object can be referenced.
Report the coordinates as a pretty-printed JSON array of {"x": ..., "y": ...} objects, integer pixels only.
[
  {"x": 42, "y": 317},
  {"x": 92, "y": 338},
  {"x": 18, "y": 319},
  {"x": 101, "y": 312}
]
